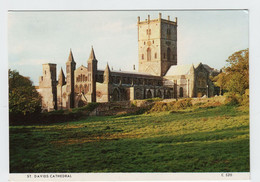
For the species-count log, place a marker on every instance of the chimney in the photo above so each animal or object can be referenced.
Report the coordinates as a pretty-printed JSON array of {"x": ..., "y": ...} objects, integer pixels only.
[
  {"x": 160, "y": 15},
  {"x": 133, "y": 67},
  {"x": 138, "y": 19},
  {"x": 168, "y": 18}
]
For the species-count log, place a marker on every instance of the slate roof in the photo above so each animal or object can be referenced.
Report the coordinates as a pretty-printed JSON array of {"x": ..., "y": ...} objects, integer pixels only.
[{"x": 179, "y": 70}]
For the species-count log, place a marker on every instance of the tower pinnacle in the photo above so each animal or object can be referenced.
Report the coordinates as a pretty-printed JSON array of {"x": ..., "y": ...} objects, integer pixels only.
[
  {"x": 70, "y": 59},
  {"x": 61, "y": 80},
  {"x": 92, "y": 55}
]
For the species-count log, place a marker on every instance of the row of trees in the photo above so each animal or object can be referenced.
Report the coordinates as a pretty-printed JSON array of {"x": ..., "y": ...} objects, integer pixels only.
[{"x": 235, "y": 77}]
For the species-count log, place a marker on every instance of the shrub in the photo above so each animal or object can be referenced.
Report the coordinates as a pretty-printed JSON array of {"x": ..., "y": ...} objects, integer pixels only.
[
  {"x": 182, "y": 104},
  {"x": 159, "y": 106},
  {"x": 87, "y": 108},
  {"x": 163, "y": 106},
  {"x": 232, "y": 99}
]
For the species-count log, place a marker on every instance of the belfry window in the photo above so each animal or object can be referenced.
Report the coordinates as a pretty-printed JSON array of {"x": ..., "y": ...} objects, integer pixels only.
[
  {"x": 148, "y": 54},
  {"x": 168, "y": 54},
  {"x": 148, "y": 31}
]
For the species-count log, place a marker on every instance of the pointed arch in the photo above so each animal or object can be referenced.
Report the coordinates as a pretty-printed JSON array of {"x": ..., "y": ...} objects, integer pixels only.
[
  {"x": 181, "y": 92},
  {"x": 149, "y": 94},
  {"x": 149, "y": 52},
  {"x": 159, "y": 94},
  {"x": 115, "y": 95}
]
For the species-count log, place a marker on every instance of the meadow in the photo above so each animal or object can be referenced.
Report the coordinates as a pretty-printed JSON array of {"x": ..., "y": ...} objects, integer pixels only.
[{"x": 206, "y": 139}]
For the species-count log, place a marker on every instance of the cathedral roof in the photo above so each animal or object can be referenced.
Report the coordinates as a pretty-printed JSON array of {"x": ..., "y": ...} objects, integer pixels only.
[
  {"x": 130, "y": 73},
  {"x": 179, "y": 70}
]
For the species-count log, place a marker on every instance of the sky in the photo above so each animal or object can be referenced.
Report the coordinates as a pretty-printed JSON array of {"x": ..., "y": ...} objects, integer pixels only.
[{"x": 35, "y": 38}]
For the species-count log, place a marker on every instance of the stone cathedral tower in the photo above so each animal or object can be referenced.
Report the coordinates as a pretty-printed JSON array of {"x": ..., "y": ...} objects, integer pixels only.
[{"x": 157, "y": 45}]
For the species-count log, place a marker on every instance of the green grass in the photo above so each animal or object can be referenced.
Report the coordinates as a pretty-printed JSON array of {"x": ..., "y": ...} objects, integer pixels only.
[{"x": 201, "y": 140}]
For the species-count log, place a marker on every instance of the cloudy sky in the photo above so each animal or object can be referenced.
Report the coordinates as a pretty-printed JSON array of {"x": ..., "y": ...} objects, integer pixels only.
[{"x": 35, "y": 38}]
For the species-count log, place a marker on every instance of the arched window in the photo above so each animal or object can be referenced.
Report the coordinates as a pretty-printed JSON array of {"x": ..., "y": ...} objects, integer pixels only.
[
  {"x": 181, "y": 92},
  {"x": 142, "y": 56},
  {"x": 168, "y": 54},
  {"x": 80, "y": 89},
  {"x": 155, "y": 55},
  {"x": 159, "y": 94},
  {"x": 76, "y": 89},
  {"x": 115, "y": 95},
  {"x": 85, "y": 88},
  {"x": 149, "y": 94},
  {"x": 148, "y": 54}
]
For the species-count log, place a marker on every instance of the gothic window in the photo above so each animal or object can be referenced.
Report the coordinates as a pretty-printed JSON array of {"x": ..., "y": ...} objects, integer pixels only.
[
  {"x": 155, "y": 55},
  {"x": 148, "y": 54},
  {"x": 80, "y": 89},
  {"x": 148, "y": 31},
  {"x": 168, "y": 33},
  {"x": 85, "y": 88},
  {"x": 142, "y": 56},
  {"x": 168, "y": 54},
  {"x": 159, "y": 94},
  {"x": 149, "y": 94},
  {"x": 181, "y": 92},
  {"x": 45, "y": 72},
  {"x": 153, "y": 41},
  {"x": 144, "y": 43},
  {"x": 115, "y": 95}
]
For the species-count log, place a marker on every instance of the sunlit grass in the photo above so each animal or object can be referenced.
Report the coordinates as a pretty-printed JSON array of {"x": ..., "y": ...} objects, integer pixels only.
[{"x": 192, "y": 140}]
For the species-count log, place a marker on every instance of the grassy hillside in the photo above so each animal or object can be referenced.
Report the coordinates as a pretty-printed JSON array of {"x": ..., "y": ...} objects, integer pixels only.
[{"x": 213, "y": 139}]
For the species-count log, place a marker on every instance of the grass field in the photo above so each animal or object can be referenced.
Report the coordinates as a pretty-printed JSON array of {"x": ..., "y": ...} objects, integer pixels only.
[{"x": 199, "y": 140}]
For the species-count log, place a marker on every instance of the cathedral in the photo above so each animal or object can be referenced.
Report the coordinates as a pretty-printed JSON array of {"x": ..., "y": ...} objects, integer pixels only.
[{"x": 158, "y": 74}]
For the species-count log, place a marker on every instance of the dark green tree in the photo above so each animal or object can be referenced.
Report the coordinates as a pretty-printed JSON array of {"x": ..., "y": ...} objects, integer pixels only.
[{"x": 23, "y": 97}]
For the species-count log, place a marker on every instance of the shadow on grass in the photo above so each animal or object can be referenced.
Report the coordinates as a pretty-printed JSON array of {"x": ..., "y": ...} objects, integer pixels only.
[{"x": 217, "y": 151}]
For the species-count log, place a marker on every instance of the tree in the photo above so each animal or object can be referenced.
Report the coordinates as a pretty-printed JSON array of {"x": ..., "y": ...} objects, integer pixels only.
[
  {"x": 235, "y": 77},
  {"x": 237, "y": 73},
  {"x": 220, "y": 81},
  {"x": 23, "y": 97}
]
